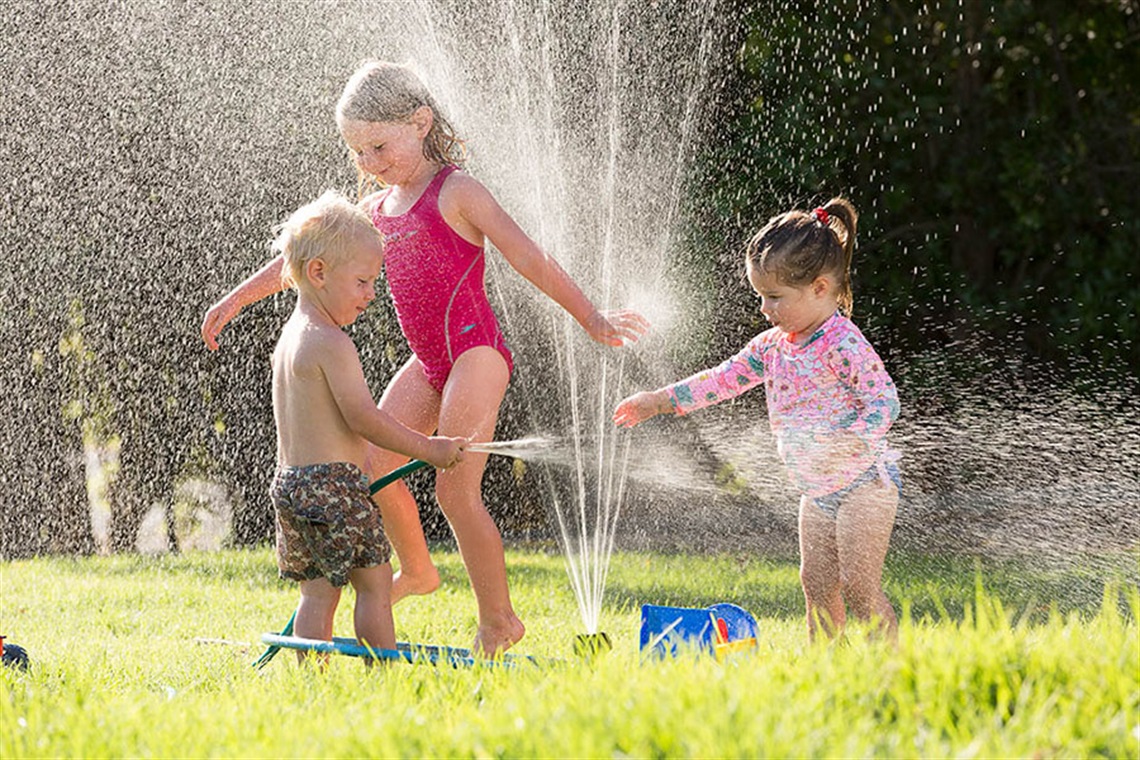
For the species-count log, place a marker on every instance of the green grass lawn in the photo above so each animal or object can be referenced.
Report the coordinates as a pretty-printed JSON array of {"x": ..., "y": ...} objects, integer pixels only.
[{"x": 993, "y": 661}]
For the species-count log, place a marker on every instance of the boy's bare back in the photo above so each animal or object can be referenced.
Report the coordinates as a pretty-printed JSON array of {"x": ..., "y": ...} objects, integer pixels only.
[{"x": 311, "y": 428}]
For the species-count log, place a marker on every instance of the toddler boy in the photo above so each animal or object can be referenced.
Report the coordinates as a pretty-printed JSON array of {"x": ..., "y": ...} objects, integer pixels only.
[{"x": 328, "y": 528}]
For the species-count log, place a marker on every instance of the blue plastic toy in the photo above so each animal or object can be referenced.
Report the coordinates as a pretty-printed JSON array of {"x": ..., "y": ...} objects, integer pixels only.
[
  {"x": 720, "y": 629},
  {"x": 404, "y": 652}
]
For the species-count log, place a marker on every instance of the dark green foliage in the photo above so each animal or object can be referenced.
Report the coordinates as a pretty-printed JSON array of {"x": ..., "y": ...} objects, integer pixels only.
[{"x": 990, "y": 146}]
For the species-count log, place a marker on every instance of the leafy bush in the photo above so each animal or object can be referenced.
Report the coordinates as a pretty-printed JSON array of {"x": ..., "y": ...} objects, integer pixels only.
[{"x": 990, "y": 146}]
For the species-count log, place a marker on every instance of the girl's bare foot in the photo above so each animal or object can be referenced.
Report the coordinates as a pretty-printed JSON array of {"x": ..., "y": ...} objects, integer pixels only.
[
  {"x": 424, "y": 581},
  {"x": 494, "y": 639}
]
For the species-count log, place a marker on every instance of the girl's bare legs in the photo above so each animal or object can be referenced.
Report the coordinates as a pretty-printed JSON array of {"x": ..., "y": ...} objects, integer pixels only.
[
  {"x": 315, "y": 612},
  {"x": 820, "y": 571},
  {"x": 372, "y": 616},
  {"x": 470, "y": 408},
  {"x": 862, "y": 533},
  {"x": 410, "y": 399}
]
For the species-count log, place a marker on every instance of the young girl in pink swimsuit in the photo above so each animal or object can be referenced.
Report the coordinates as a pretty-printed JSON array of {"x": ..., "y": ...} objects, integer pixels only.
[
  {"x": 436, "y": 219},
  {"x": 830, "y": 404}
]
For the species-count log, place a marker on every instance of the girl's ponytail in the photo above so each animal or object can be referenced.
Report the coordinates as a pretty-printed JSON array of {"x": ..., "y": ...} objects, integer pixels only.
[{"x": 843, "y": 220}]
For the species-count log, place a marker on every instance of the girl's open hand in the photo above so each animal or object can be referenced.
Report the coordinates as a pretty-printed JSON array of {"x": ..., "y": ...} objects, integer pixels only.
[
  {"x": 641, "y": 406},
  {"x": 217, "y": 317},
  {"x": 616, "y": 327}
]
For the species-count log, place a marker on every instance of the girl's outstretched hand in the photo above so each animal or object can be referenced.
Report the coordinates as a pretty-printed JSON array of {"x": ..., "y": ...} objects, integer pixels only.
[
  {"x": 217, "y": 317},
  {"x": 616, "y": 327},
  {"x": 641, "y": 406}
]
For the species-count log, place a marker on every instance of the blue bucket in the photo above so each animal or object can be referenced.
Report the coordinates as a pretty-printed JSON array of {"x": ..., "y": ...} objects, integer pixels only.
[{"x": 667, "y": 630}]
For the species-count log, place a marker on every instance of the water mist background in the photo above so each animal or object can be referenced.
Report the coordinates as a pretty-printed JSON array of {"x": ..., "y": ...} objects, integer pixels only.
[{"x": 149, "y": 148}]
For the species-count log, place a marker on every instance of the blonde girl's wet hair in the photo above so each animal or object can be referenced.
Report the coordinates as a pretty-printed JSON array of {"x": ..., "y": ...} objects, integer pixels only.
[
  {"x": 330, "y": 228},
  {"x": 380, "y": 91},
  {"x": 799, "y": 246}
]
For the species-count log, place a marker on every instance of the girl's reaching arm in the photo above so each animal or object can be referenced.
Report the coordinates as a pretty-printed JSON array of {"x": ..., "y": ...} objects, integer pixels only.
[
  {"x": 642, "y": 406},
  {"x": 479, "y": 209},
  {"x": 729, "y": 379},
  {"x": 732, "y": 377},
  {"x": 261, "y": 284}
]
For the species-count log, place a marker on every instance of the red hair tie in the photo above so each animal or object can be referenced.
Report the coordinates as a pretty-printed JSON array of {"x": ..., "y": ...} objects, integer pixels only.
[{"x": 822, "y": 215}]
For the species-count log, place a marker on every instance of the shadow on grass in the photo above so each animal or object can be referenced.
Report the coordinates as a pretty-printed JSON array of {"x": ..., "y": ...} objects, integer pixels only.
[
  {"x": 932, "y": 587},
  {"x": 253, "y": 567},
  {"x": 945, "y": 587}
]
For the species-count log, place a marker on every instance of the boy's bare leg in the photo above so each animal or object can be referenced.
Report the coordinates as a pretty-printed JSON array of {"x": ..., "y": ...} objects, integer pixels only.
[
  {"x": 372, "y": 615},
  {"x": 315, "y": 612},
  {"x": 470, "y": 408},
  {"x": 819, "y": 571},
  {"x": 863, "y": 532},
  {"x": 411, "y": 400}
]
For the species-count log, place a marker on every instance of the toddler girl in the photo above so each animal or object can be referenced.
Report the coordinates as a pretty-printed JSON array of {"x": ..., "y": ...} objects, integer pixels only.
[{"x": 830, "y": 404}]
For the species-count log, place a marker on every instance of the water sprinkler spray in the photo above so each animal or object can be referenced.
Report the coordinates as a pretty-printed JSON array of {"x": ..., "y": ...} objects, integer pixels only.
[
  {"x": 518, "y": 449},
  {"x": 521, "y": 448}
]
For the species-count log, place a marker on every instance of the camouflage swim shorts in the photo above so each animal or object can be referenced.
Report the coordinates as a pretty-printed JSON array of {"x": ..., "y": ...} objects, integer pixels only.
[{"x": 326, "y": 522}]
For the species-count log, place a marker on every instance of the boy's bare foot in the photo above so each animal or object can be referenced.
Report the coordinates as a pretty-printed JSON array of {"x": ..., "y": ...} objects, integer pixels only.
[
  {"x": 494, "y": 639},
  {"x": 423, "y": 582}
]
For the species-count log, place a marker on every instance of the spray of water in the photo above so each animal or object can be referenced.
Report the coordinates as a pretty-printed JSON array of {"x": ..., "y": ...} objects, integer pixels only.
[
  {"x": 583, "y": 123},
  {"x": 588, "y": 519},
  {"x": 582, "y": 118}
]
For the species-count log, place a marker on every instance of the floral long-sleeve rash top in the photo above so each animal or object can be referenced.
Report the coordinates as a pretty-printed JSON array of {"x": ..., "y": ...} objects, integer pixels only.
[{"x": 830, "y": 401}]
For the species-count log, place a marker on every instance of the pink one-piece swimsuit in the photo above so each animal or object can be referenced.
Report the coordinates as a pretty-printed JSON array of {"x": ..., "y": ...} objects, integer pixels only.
[{"x": 436, "y": 280}]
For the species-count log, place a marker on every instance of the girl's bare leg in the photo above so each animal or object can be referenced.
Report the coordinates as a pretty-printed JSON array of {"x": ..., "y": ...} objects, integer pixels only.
[
  {"x": 315, "y": 612},
  {"x": 372, "y": 616},
  {"x": 863, "y": 531},
  {"x": 410, "y": 399},
  {"x": 819, "y": 571},
  {"x": 470, "y": 408}
]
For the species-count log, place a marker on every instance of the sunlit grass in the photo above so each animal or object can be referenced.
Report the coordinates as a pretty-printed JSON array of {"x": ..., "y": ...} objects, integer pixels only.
[{"x": 117, "y": 670}]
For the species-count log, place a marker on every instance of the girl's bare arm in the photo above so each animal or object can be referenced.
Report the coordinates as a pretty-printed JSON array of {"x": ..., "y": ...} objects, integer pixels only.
[
  {"x": 261, "y": 284},
  {"x": 481, "y": 211}
]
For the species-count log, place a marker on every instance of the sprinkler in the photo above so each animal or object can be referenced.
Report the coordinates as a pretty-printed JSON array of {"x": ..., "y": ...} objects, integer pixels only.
[
  {"x": 13, "y": 656},
  {"x": 590, "y": 645}
]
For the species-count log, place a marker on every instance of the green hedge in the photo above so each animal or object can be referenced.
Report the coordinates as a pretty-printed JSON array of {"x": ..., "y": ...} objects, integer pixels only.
[{"x": 992, "y": 148}]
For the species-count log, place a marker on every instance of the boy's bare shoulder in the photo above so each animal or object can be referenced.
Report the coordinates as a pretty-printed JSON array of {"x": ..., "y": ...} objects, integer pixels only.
[
  {"x": 326, "y": 342},
  {"x": 310, "y": 346}
]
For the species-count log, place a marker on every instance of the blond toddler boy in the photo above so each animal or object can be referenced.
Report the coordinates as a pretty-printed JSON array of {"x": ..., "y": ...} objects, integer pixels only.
[{"x": 328, "y": 528}]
